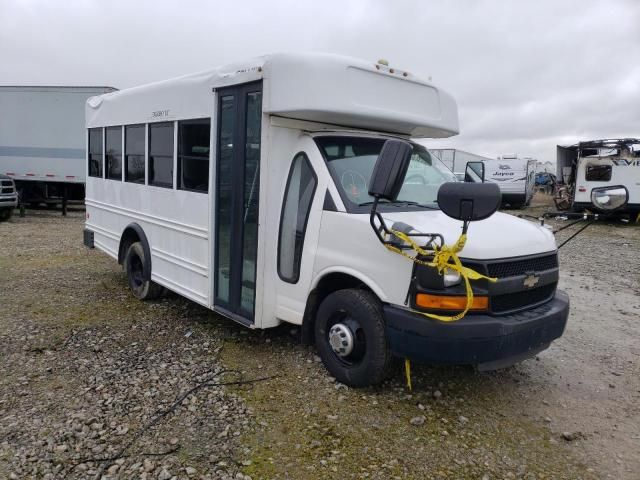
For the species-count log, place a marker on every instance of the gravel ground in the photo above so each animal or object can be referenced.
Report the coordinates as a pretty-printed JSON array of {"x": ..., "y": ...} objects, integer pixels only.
[
  {"x": 96, "y": 383},
  {"x": 93, "y": 382}
]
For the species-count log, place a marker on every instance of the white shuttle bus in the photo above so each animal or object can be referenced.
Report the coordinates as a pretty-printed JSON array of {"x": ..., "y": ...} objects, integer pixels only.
[{"x": 286, "y": 189}]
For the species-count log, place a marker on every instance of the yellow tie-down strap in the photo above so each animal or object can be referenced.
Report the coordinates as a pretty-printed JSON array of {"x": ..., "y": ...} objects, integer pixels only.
[{"x": 442, "y": 258}]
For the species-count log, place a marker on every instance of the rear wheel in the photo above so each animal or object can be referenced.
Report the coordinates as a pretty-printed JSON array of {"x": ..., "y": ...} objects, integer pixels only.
[
  {"x": 134, "y": 268},
  {"x": 350, "y": 338}
]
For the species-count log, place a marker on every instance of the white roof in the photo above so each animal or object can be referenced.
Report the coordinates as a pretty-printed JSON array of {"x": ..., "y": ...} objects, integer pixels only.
[{"x": 315, "y": 87}]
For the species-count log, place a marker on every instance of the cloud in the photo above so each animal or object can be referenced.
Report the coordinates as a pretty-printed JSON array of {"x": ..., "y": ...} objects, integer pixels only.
[{"x": 527, "y": 75}]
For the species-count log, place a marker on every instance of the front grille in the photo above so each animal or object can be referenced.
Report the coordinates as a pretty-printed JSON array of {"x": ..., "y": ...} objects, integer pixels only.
[
  {"x": 6, "y": 186},
  {"x": 522, "y": 299},
  {"x": 522, "y": 267}
]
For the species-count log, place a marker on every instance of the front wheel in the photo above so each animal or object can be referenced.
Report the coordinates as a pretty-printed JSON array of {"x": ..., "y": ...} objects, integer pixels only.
[
  {"x": 134, "y": 268},
  {"x": 350, "y": 338},
  {"x": 6, "y": 214}
]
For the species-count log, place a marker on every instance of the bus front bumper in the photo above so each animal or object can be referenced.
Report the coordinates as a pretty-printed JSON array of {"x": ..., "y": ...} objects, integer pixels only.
[{"x": 484, "y": 340}]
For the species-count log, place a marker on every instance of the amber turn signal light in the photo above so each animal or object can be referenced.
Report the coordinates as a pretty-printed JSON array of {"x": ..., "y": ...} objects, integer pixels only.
[{"x": 450, "y": 302}]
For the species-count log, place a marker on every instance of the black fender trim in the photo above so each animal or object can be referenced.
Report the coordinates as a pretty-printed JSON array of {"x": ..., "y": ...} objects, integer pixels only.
[{"x": 142, "y": 238}]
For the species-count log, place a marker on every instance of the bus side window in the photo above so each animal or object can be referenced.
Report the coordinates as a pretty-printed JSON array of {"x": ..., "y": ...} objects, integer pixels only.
[
  {"x": 113, "y": 153},
  {"x": 134, "y": 153},
  {"x": 161, "y": 154},
  {"x": 298, "y": 197},
  {"x": 95, "y": 152},
  {"x": 193, "y": 155}
]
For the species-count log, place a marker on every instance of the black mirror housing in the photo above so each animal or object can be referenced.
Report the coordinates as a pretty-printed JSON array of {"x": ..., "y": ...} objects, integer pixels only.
[
  {"x": 390, "y": 169},
  {"x": 474, "y": 172},
  {"x": 469, "y": 201}
]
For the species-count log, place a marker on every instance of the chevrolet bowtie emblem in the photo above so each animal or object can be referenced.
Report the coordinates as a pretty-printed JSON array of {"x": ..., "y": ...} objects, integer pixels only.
[{"x": 531, "y": 280}]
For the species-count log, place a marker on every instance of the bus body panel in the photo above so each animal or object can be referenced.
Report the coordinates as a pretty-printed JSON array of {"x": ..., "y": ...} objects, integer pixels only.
[
  {"x": 286, "y": 300},
  {"x": 174, "y": 221}
]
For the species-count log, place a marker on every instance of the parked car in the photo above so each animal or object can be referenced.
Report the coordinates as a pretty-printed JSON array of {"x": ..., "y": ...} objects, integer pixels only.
[{"x": 8, "y": 197}]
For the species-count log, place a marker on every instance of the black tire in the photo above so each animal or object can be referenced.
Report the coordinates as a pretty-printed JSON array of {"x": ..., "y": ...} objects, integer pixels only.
[
  {"x": 370, "y": 359},
  {"x": 6, "y": 214},
  {"x": 134, "y": 268}
]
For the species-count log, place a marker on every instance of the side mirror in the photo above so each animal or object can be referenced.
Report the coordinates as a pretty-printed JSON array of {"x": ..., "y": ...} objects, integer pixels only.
[
  {"x": 469, "y": 201},
  {"x": 474, "y": 172},
  {"x": 390, "y": 169}
]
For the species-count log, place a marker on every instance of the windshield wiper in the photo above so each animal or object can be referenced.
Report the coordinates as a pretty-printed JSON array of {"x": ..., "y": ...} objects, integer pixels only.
[
  {"x": 365, "y": 204},
  {"x": 401, "y": 203}
]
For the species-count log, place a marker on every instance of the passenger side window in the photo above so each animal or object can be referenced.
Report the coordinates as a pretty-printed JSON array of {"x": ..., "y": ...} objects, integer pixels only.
[
  {"x": 161, "y": 154},
  {"x": 113, "y": 151},
  {"x": 95, "y": 152},
  {"x": 193, "y": 155},
  {"x": 598, "y": 173},
  {"x": 134, "y": 153},
  {"x": 298, "y": 197}
]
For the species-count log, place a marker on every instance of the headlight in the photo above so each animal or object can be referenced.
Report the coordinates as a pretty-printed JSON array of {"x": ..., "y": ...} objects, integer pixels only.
[
  {"x": 451, "y": 277},
  {"x": 428, "y": 278},
  {"x": 609, "y": 198}
]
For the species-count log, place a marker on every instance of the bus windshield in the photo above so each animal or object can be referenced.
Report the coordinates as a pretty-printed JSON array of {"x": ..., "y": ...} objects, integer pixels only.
[{"x": 351, "y": 161}]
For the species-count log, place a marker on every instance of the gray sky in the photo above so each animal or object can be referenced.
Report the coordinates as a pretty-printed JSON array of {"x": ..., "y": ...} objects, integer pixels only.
[{"x": 527, "y": 74}]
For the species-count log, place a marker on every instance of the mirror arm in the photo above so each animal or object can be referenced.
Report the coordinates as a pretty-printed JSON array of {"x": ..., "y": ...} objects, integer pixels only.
[{"x": 382, "y": 227}]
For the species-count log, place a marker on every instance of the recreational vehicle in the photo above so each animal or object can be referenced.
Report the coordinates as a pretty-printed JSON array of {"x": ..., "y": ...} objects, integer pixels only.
[
  {"x": 287, "y": 189},
  {"x": 516, "y": 177},
  {"x": 42, "y": 142},
  {"x": 600, "y": 175}
]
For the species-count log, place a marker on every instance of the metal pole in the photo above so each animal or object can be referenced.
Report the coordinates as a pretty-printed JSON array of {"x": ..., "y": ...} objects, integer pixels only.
[
  {"x": 21, "y": 202},
  {"x": 64, "y": 201}
]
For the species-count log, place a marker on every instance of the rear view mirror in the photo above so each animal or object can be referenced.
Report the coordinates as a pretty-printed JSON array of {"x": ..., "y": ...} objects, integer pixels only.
[
  {"x": 390, "y": 170},
  {"x": 474, "y": 172},
  {"x": 469, "y": 201}
]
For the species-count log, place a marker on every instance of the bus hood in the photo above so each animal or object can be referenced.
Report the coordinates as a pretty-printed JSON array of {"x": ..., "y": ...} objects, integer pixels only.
[{"x": 499, "y": 236}]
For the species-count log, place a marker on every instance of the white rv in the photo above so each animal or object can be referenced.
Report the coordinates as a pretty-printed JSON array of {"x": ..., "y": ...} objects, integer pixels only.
[
  {"x": 250, "y": 189},
  {"x": 41, "y": 142},
  {"x": 516, "y": 177},
  {"x": 600, "y": 175}
]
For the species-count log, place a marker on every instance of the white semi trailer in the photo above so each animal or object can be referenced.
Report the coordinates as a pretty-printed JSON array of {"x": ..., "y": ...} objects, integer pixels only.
[
  {"x": 456, "y": 160},
  {"x": 42, "y": 144}
]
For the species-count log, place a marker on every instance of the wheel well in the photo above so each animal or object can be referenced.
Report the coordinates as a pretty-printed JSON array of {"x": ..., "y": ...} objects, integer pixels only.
[
  {"x": 328, "y": 284},
  {"x": 129, "y": 236},
  {"x": 134, "y": 233}
]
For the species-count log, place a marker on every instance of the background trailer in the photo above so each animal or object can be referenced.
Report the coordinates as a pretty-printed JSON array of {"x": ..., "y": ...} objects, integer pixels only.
[
  {"x": 42, "y": 140},
  {"x": 456, "y": 160}
]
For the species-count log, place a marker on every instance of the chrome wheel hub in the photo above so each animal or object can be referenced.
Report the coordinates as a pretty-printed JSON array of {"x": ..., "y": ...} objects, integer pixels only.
[{"x": 341, "y": 339}]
